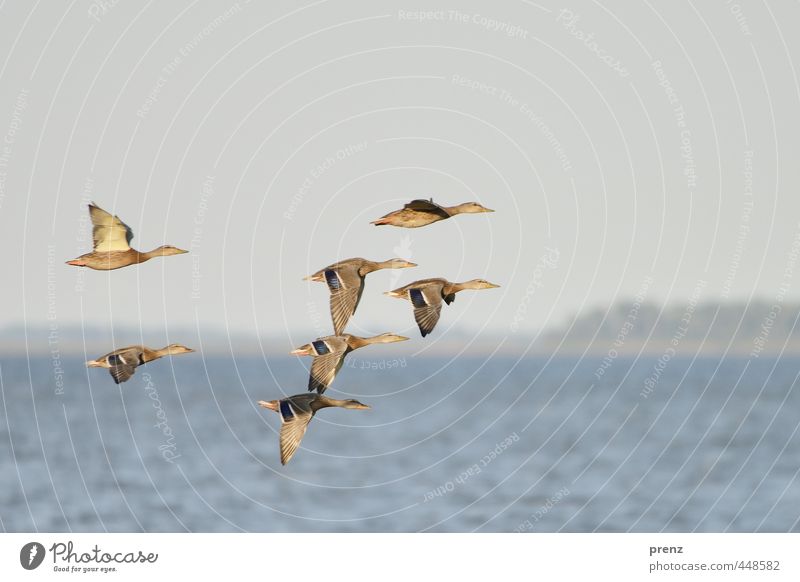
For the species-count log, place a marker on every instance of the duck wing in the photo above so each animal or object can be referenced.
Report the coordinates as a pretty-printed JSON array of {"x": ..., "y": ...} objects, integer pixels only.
[
  {"x": 109, "y": 232},
  {"x": 427, "y": 304},
  {"x": 327, "y": 363},
  {"x": 122, "y": 363},
  {"x": 427, "y": 206},
  {"x": 122, "y": 373},
  {"x": 323, "y": 371},
  {"x": 295, "y": 413},
  {"x": 346, "y": 287}
]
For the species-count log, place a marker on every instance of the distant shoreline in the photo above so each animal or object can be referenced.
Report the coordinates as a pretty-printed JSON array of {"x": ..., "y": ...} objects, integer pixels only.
[{"x": 451, "y": 348}]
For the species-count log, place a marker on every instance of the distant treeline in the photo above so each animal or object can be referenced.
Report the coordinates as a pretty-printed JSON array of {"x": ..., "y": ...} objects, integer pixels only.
[{"x": 629, "y": 322}]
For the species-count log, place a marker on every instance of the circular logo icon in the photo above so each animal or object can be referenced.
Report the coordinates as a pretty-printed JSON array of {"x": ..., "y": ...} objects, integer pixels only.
[{"x": 31, "y": 555}]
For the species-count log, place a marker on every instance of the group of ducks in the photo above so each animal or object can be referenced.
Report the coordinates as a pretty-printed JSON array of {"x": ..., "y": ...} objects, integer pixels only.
[{"x": 345, "y": 280}]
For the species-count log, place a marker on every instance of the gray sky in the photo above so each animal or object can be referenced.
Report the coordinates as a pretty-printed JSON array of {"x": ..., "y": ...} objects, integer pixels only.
[{"x": 617, "y": 142}]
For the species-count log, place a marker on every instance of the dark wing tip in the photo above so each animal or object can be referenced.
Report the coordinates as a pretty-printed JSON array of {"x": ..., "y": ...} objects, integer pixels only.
[
  {"x": 314, "y": 384},
  {"x": 121, "y": 373},
  {"x": 427, "y": 318}
]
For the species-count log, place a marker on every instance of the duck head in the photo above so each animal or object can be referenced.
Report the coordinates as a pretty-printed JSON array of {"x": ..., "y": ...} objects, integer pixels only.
[
  {"x": 386, "y": 338},
  {"x": 399, "y": 264},
  {"x": 166, "y": 251},
  {"x": 471, "y": 208},
  {"x": 478, "y": 284},
  {"x": 355, "y": 405},
  {"x": 175, "y": 349}
]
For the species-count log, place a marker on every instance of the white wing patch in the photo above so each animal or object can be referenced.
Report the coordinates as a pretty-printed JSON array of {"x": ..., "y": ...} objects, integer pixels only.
[{"x": 109, "y": 232}]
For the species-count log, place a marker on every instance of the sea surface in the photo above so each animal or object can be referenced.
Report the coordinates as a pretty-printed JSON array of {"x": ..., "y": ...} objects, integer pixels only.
[{"x": 458, "y": 445}]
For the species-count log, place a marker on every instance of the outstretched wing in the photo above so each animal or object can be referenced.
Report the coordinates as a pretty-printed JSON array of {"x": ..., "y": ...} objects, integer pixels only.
[
  {"x": 122, "y": 363},
  {"x": 323, "y": 371},
  {"x": 295, "y": 416},
  {"x": 122, "y": 372},
  {"x": 427, "y": 307},
  {"x": 109, "y": 232},
  {"x": 427, "y": 206},
  {"x": 346, "y": 286}
]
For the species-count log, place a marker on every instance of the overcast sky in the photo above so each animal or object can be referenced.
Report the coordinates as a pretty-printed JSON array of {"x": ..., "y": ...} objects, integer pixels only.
[{"x": 646, "y": 148}]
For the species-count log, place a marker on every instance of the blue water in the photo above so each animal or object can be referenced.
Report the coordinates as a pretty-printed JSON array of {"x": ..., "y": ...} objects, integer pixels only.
[{"x": 449, "y": 445}]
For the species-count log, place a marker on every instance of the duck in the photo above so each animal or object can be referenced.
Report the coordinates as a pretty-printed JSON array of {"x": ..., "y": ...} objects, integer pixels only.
[
  {"x": 419, "y": 213},
  {"x": 111, "y": 238},
  {"x": 345, "y": 281},
  {"x": 426, "y": 297},
  {"x": 122, "y": 363},
  {"x": 329, "y": 353},
  {"x": 296, "y": 412}
]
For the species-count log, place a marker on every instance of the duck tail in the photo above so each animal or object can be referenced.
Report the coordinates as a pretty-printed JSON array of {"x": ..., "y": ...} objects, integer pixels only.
[
  {"x": 270, "y": 404},
  {"x": 306, "y": 350}
]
